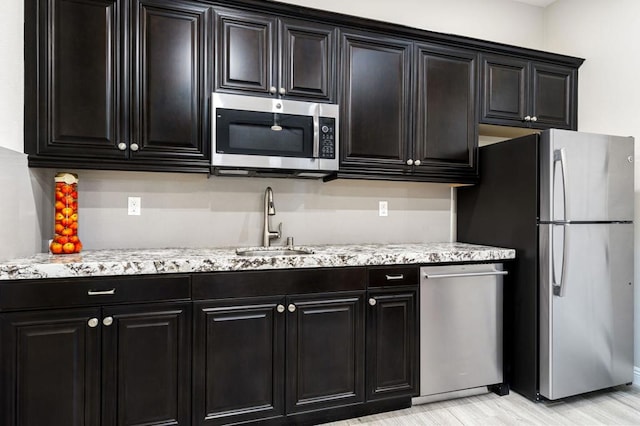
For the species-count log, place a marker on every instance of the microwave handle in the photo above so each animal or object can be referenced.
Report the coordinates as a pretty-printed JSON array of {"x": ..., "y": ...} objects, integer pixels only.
[{"x": 316, "y": 131}]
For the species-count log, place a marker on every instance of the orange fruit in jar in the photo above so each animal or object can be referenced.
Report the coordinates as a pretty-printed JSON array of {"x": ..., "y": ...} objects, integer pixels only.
[
  {"x": 67, "y": 232},
  {"x": 59, "y": 205},
  {"x": 68, "y": 200},
  {"x": 74, "y": 217},
  {"x": 67, "y": 211},
  {"x": 74, "y": 239},
  {"x": 59, "y": 228},
  {"x": 74, "y": 226},
  {"x": 59, "y": 217},
  {"x": 74, "y": 194},
  {"x": 67, "y": 189},
  {"x": 78, "y": 247},
  {"x": 66, "y": 221},
  {"x": 74, "y": 206},
  {"x": 61, "y": 239},
  {"x": 59, "y": 195},
  {"x": 55, "y": 248},
  {"x": 68, "y": 248}
]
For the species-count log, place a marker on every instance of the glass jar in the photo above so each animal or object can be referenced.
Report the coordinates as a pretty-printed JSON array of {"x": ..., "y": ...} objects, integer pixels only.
[{"x": 65, "y": 239}]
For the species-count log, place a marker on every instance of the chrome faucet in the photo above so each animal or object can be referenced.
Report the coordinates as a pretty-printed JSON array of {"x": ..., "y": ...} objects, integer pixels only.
[{"x": 269, "y": 210}]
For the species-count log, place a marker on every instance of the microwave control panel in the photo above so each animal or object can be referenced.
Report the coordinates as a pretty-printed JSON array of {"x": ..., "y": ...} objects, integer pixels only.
[{"x": 327, "y": 137}]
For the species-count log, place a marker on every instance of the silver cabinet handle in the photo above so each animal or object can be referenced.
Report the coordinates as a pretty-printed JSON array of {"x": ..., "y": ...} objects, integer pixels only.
[
  {"x": 394, "y": 277},
  {"x": 134, "y": 147},
  {"x": 372, "y": 301},
  {"x": 409, "y": 162},
  {"x": 466, "y": 274},
  {"x": 101, "y": 292},
  {"x": 93, "y": 322},
  {"x": 107, "y": 321},
  {"x": 527, "y": 118},
  {"x": 280, "y": 308},
  {"x": 272, "y": 90},
  {"x": 282, "y": 91},
  {"x": 292, "y": 307},
  {"x": 417, "y": 162},
  {"x": 122, "y": 146}
]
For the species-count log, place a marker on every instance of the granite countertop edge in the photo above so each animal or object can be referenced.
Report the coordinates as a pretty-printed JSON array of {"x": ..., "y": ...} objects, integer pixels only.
[{"x": 94, "y": 263}]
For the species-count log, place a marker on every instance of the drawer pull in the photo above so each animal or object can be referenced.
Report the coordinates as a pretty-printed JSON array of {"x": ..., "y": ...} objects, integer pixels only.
[
  {"x": 101, "y": 293},
  {"x": 395, "y": 277}
]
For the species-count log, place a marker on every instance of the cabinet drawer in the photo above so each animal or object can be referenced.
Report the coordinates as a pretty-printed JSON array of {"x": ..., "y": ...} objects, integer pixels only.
[
  {"x": 393, "y": 276},
  {"x": 45, "y": 293}
]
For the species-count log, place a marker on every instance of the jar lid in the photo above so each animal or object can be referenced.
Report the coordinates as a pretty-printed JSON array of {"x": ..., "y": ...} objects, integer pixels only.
[{"x": 68, "y": 178}]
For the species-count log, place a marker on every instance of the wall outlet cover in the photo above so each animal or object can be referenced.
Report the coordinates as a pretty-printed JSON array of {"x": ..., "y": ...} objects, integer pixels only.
[
  {"x": 383, "y": 208},
  {"x": 133, "y": 206}
]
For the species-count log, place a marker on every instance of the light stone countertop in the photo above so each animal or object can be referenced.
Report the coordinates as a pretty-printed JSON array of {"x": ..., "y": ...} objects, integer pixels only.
[{"x": 91, "y": 263}]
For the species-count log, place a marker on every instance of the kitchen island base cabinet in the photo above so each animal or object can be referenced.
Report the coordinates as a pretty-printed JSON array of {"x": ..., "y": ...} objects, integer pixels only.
[
  {"x": 126, "y": 365},
  {"x": 269, "y": 357}
]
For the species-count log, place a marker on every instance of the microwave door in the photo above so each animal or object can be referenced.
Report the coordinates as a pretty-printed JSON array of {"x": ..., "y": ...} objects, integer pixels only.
[{"x": 264, "y": 134}]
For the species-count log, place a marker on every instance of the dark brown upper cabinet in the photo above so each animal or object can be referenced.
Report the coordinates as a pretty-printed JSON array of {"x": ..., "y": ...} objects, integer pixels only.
[
  {"x": 117, "y": 84},
  {"x": 375, "y": 103},
  {"x": 408, "y": 109},
  {"x": 445, "y": 137},
  {"x": 267, "y": 55},
  {"x": 525, "y": 93}
]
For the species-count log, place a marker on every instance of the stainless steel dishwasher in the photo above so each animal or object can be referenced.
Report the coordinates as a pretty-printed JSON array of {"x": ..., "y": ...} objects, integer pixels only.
[{"x": 460, "y": 327}]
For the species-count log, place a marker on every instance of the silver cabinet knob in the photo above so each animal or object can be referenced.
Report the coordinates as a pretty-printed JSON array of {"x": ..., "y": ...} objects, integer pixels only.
[
  {"x": 273, "y": 90},
  {"x": 372, "y": 301},
  {"x": 122, "y": 146},
  {"x": 409, "y": 162},
  {"x": 527, "y": 118},
  {"x": 282, "y": 91},
  {"x": 107, "y": 321},
  {"x": 630, "y": 158},
  {"x": 280, "y": 308},
  {"x": 534, "y": 118},
  {"x": 417, "y": 162},
  {"x": 292, "y": 307},
  {"x": 134, "y": 147},
  {"x": 93, "y": 322}
]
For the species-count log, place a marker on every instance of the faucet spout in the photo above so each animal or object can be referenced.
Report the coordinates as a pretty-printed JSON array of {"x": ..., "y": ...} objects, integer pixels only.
[{"x": 269, "y": 210}]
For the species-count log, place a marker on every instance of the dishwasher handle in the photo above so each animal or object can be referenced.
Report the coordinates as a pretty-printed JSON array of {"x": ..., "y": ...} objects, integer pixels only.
[{"x": 466, "y": 274}]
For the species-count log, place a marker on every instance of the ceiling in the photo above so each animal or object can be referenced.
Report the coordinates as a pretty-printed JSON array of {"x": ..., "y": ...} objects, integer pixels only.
[{"x": 540, "y": 3}]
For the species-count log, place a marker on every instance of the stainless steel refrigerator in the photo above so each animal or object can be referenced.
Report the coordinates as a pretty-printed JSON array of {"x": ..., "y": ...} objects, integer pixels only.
[{"x": 564, "y": 201}]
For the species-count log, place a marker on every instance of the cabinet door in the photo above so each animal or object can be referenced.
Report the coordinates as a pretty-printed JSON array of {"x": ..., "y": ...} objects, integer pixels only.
[
  {"x": 554, "y": 96},
  {"x": 73, "y": 108},
  {"x": 169, "y": 92},
  {"x": 239, "y": 361},
  {"x": 307, "y": 59},
  {"x": 505, "y": 90},
  {"x": 146, "y": 365},
  {"x": 375, "y": 103},
  {"x": 244, "y": 51},
  {"x": 325, "y": 352},
  {"x": 50, "y": 368},
  {"x": 445, "y": 140},
  {"x": 392, "y": 360}
]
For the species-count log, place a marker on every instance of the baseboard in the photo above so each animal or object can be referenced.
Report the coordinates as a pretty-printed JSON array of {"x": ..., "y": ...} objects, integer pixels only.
[{"x": 636, "y": 376}]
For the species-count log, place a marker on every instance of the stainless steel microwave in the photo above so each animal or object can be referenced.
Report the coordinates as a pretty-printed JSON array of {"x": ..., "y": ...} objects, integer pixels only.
[{"x": 251, "y": 133}]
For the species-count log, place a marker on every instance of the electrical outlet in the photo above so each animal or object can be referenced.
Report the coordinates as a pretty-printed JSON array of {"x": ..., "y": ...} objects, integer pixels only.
[
  {"x": 134, "y": 208},
  {"x": 383, "y": 208}
]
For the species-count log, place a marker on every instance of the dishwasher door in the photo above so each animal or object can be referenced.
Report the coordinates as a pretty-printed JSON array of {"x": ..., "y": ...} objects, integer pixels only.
[{"x": 460, "y": 327}]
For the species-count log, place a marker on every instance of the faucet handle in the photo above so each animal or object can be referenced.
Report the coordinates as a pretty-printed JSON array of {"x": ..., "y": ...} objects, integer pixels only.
[{"x": 279, "y": 231}]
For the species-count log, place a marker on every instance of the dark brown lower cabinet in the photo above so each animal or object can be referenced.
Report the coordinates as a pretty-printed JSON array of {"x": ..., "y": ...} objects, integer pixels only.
[
  {"x": 392, "y": 358},
  {"x": 267, "y": 357},
  {"x": 126, "y": 365}
]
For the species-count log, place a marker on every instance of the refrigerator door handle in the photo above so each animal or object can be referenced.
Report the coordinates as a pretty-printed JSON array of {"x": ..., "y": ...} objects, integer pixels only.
[
  {"x": 559, "y": 288},
  {"x": 560, "y": 155}
]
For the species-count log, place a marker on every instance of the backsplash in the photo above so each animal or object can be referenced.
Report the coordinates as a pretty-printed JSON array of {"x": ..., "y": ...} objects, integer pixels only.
[{"x": 185, "y": 210}]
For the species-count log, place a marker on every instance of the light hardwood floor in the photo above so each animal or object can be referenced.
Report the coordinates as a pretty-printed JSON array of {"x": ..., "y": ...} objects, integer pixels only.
[{"x": 619, "y": 406}]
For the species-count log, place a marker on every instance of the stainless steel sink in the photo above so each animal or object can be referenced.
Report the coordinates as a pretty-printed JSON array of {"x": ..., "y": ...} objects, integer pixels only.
[{"x": 273, "y": 251}]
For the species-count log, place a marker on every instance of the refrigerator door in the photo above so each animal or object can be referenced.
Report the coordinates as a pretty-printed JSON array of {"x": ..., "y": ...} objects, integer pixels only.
[
  {"x": 586, "y": 307},
  {"x": 585, "y": 177}
]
